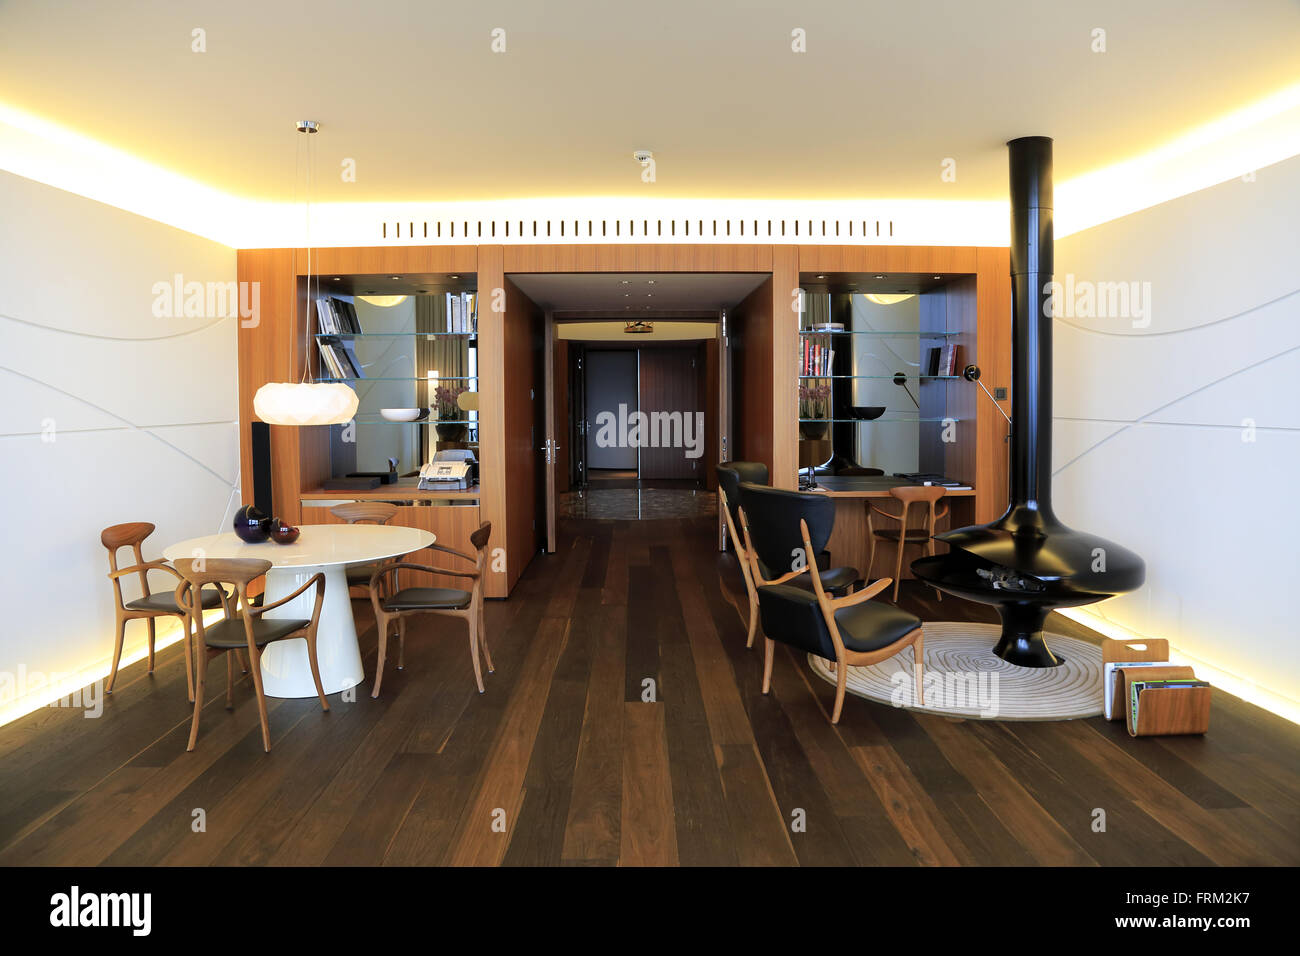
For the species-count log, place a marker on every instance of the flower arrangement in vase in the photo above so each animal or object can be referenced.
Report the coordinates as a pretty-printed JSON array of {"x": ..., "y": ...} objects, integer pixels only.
[
  {"x": 814, "y": 404},
  {"x": 448, "y": 409}
]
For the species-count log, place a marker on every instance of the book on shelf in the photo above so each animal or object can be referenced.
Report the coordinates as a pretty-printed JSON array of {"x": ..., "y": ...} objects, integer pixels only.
[
  {"x": 949, "y": 365},
  {"x": 461, "y": 313},
  {"x": 816, "y": 359},
  {"x": 932, "y": 357},
  {"x": 336, "y": 316}
]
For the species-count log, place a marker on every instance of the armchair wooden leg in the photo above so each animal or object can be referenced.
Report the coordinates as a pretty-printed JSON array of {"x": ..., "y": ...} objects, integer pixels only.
[
  {"x": 841, "y": 683},
  {"x": 315, "y": 669},
  {"x": 473, "y": 651},
  {"x": 255, "y": 659},
  {"x": 200, "y": 671},
  {"x": 242, "y": 658},
  {"x": 918, "y": 657},
  {"x": 383, "y": 652},
  {"x": 153, "y": 633},
  {"x": 189, "y": 656},
  {"x": 753, "y": 617},
  {"x": 230, "y": 680},
  {"x": 898, "y": 564},
  {"x": 482, "y": 639},
  {"x": 117, "y": 653},
  {"x": 769, "y": 649}
]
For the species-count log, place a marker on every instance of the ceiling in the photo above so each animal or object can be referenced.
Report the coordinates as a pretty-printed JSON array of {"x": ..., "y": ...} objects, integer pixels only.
[
  {"x": 637, "y": 292},
  {"x": 414, "y": 95}
]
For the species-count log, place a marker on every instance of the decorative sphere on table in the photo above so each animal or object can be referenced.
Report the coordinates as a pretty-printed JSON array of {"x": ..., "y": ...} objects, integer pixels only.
[
  {"x": 252, "y": 525},
  {"x": 282, "y": 533}
]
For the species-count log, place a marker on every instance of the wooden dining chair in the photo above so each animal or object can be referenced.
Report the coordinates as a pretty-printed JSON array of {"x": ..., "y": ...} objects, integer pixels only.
[
  {"x": 364, "y": 512},
  {"x": 849, "y": 631},
  {"x": 148, "y": 606},
  {"x": 925, "y": 497},
  {"x": 454, "y": 602},
  {"x": 730, "y": 475},
  {"x": 243, "y": 626}
]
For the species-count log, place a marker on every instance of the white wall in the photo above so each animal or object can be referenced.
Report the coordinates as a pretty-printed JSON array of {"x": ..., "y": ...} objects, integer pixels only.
[
  {"x": 107, "y": 414},
  {"x": 1153, "y": 447}
]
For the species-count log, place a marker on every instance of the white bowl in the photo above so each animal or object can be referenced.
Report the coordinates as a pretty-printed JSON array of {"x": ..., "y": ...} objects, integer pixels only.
[{"x": 404, "y": 414}]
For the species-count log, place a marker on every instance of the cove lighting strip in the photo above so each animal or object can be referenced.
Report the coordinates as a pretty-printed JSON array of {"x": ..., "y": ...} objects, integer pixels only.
[
  {"x": 69, "y": 685},
  {"x": 1238, "y": 144},
  {"x": 1234, "y": 684}
]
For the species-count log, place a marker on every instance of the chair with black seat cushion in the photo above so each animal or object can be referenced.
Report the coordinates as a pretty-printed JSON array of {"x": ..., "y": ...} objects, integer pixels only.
[
  {"x": 243, "y": 626},
  {"x": 148, "y": 606},
  {"x": 926, "y": 497},
  {"x": 363, "y": 512},
  {"x": 454, "y": 602},
  {"x": 773, "y": 515},
  {"x": 730, "y": 476},
  {"x": 849, "y": 631}
]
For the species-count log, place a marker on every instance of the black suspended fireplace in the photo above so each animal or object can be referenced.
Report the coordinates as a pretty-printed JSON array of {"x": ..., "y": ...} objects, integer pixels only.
[{"x": 1027, "y": 562}]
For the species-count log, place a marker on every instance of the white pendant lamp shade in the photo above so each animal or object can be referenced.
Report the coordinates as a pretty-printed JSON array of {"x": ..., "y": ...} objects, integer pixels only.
[{"x": 287, "y": 403}]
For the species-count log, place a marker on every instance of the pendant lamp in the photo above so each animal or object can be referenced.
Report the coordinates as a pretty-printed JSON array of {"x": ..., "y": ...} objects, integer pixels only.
[{"x": 305, "y": 403}]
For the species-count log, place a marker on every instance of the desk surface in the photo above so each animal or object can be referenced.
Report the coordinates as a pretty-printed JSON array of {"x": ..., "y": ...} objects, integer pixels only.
[
  {"x": 869, "y": 486},
  {"x": 405, "y": 489}
]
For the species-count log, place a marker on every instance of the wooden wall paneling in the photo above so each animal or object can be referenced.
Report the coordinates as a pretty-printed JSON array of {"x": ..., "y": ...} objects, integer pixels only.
[
  {"x": 751, "y": 325},
  {"x": 394, "y": 260},
  {"x": 669, "y": 382},
  {"x": 521, "y": 382},
  {"x": 919, "y": 259},
  {"x": 644, "y": 257},
  {"x": 709, "y": 395},
  {"x": 270, "y": 351},
  {"x": 785, "y": 367},
  {"x": 993, "y": 322},
  {"x": 563, "y": 415},
  {"x": 492, "y": 426},
  {"x": 451, "y": 524}
]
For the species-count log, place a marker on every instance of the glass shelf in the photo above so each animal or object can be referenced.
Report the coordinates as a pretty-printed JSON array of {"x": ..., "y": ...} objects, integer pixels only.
[
  {"x": 422, "y": 421},
  {"x": 403, "y": 378},
  {"x": 897, "y": 335},
  {"x": 888, "y": 378},
  {"x": 876, "y": 421},
  {"x": 395, "y": 335}
]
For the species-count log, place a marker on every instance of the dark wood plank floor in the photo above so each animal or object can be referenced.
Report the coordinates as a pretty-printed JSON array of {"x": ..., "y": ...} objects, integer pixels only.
[{"x": 624, "y": 725}]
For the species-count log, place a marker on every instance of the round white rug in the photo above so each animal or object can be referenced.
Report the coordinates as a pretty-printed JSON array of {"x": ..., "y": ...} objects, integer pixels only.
[{"x": 964, "y": 678}]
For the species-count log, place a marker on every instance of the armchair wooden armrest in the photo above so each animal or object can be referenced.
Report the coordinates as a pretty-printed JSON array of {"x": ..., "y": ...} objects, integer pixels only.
[
  {"x": 884, "y": 514},
  {"x": 159, "y": 565},
  {"x": 314, "y": 579},
  {"x": 460, "y": 554},
  {"x": 857, "y": 597},
  {"x": 428, "y": 568}
]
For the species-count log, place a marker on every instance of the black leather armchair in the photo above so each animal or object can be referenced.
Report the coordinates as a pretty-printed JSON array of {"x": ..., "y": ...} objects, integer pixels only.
[
  {"x": 773, "y": 515},
  {"x": 851, "y": 630},
  {"x": 730, "y": 476}
]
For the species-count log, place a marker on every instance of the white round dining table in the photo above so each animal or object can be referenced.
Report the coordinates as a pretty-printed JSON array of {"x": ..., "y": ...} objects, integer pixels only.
[{"x": 330, "y": 550}]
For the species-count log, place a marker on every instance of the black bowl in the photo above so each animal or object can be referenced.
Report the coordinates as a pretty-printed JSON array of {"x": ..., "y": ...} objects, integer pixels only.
[{"x": 866, "y": 413}]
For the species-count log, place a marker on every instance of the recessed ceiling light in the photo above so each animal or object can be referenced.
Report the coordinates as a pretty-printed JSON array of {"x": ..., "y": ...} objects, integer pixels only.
[
  {"x": 453, "y": 277},
  {"x": 649, "y": 295},
  {"x": 879, "y": 277},
  {"x": 650, "y": 282},
  {"x": 625, "y": 282},
  {"x": 627, "y": 295},
  {"x": 336, "y": 279},
  {"x": 821, "y": 277},
  {"x": 938, "y": 277},
  {"x": 394, "y": 277}
]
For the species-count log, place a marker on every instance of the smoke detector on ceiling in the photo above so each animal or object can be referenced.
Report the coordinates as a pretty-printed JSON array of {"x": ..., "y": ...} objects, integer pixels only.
[
  {"x": 643, "y": 156},
  {"x": 307, "y": 126}
]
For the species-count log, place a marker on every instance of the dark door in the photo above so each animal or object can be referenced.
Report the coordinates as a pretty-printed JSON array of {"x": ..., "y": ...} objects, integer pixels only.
[{"x": 672, "y": 403}]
